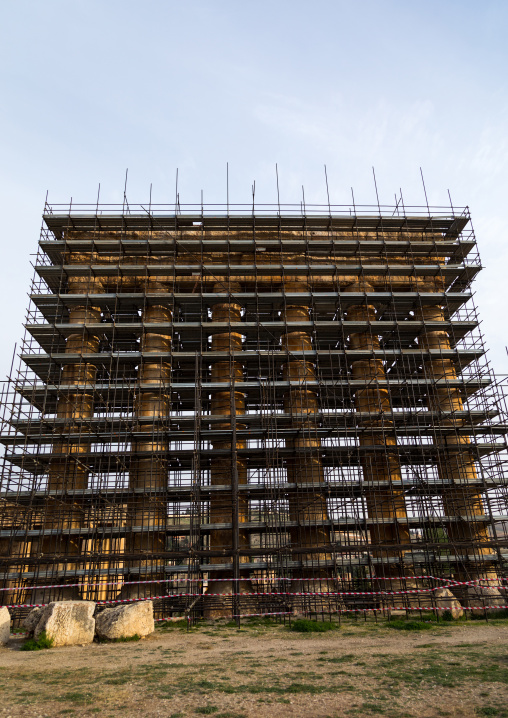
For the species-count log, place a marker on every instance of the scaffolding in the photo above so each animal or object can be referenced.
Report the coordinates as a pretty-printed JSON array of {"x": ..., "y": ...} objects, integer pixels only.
[{"x": 252, "y": 410}]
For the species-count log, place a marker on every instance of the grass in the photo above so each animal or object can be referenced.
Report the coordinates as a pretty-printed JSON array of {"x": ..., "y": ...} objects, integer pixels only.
[
  {"x": 345, "y": 658},
  {"x": 169, "y": 625},
  {"x": 500, "y": 615},
  {"x": 411, "y": 625},
  {"x": 449, "y": 670},
  {"x": 120, "y": 681},
  {"x": 207, "y": 710},
  {"x": 378, "y": 679},
  {"x": 40, "y": 643},
  {"x": 373, "y": 708},
  {"x": 305, "y": 625}
]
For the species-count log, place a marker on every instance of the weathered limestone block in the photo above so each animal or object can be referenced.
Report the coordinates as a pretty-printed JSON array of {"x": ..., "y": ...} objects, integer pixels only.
[
  {"x": 444, "y": 597},
  {"x": 68, "y": 623},
  {"x": 5, "y": 625},
  {"x": 31, "y": 621},
  {"x": 126, "y": 621},
  {"x": 479, "y": 596}
]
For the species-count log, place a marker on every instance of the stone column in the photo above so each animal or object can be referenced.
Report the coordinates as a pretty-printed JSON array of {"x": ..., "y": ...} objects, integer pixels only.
[
  {"x": 385, "y": 504},
  {"x": 307, "y": 502},
  {"x": 147, "y": 510},
  {"x": 456, "y": 461},
  {"x": 75, "y": 405},
  {"x": 15, "y": 517},
  {"x": 229, "y": 470}
]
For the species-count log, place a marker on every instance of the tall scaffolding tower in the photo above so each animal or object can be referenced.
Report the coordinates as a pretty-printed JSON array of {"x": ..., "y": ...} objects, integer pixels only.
[{"x": 213, "y": 404}]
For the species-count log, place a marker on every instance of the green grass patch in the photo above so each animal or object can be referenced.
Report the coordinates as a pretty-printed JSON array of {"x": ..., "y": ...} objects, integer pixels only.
[
  {"x": 444, "y": 672},
  {"x": 207, "y": 710},
  {"x": 346, "y": 658},
  {"x": 305, "y": 625},
  {"x": 40, "y": 643},
  {"x": 373, "y": 708},
  {"x": 116, "y": 681},
  {"x": 500, "y": 615},
  {"x": 411, "y": 625},
  {"x": 492, "y": 711},
  {"x": 169, "y": 625}
]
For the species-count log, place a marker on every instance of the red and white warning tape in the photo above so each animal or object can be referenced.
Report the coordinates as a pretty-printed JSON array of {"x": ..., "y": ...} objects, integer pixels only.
[
  {"x": 449, "y": 581},
  {"x": 291, "y": 613},
  {"x": 222, "y": 595},
  {"x": 377, "y": 610}
]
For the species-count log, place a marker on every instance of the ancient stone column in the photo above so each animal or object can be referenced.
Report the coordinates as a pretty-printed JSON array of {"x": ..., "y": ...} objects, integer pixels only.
[
  {"x": 380, "y": 464},
  {"x": 456, "y": 461},
  {"x": 75, "y": 405},
  {"x": 15, "y": 517},
  {"x": 148, "y": 478},
  {"x": 229, "y": 470},
  {"x": 307, "y": 502}
]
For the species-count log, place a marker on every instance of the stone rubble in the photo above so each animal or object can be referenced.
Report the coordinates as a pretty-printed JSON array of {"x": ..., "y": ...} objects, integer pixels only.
[
  {"x": 5, "y": 625},
  {"x": 444, "y": 597},
  {"x": 68, "y": 623},
  {"x": 484, "y": 596},
  {"x": 31, "y": 621},
  {"x": 125, "y": 621}
]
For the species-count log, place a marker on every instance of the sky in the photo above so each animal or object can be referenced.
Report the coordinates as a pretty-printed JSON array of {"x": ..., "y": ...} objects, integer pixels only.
[{"x": 91, "y": 88}]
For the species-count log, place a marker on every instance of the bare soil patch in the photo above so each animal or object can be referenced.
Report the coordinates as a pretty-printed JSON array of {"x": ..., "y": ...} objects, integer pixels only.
[{"x": 264, "y": 669}]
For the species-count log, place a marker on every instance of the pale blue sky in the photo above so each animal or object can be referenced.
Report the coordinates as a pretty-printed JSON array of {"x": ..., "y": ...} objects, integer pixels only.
[{"x": 91, "y": 87}]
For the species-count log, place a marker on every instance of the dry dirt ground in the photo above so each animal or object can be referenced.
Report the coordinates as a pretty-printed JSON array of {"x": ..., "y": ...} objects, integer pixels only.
[{"x": 361, "y": 669}]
